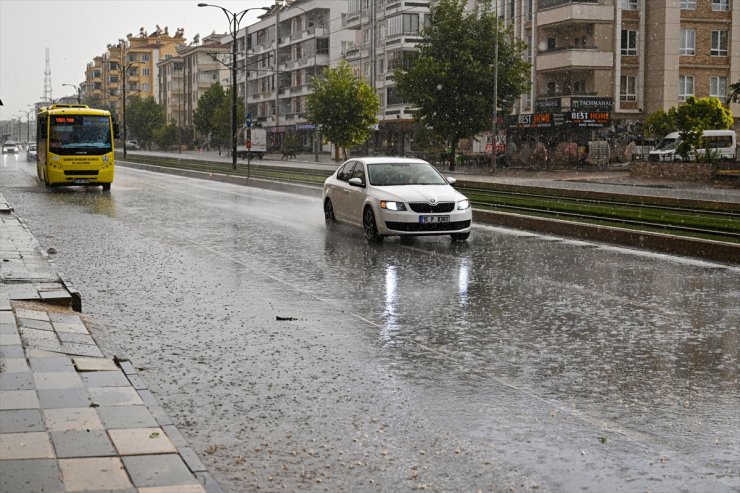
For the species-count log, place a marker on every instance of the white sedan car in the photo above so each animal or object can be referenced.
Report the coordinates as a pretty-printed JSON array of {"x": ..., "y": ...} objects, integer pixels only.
[{"x": 390, "y": 196}]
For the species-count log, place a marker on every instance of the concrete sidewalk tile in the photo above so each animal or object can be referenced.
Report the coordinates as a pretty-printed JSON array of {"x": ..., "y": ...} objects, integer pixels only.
[
  {"x": 7, "y": 318},
  {"x": 31, "y": 334},
  {"x": 65, "y": 327},
  {"x": 35, "y": 324},
  {"x": 86, "y": 363},
  {"x": 141, "y": 441},
  {"x": 137, "y": 382},
  {"x": 65, "y": 318},
  {"x": 158, "y": 470},
  {"x": 75, "y": 338},
  {"x": 82, "y": 443},
  {"x": 19, "y": 399},
  {"x": 14, "y": 351},
  {"x": 127, "y": 368},
  {"x": 182, "y": 488},
  {"x": 14, "y": 365},
  {"x": 30, "y": 475},
  {"x": 115, "y": 396},
  {"x": 31, "y": 445},
  {"x": 57, "y": 294},
  {"x": 46, "y": 345},
  {"x": 9, "y": 339},
  {"x": 90, "y": 350},
  {"x": 32, "y": 314},
  {"x": 16, "y": 381},
  {"x": 40, "y": 353},
  {"x": 76, "y": 418},
  {"x": 105, "y": 379},
  {"x": 64, "y": 398},
  {"x": 62, "y": 380},
  {"x": 21, "y": 421},
  {"x": 5, "y": 305},
  {"x": 58, "y": 363},
  {"x": 98, "y": 473},
  {"x": 8, "y": 329},
  {"x": 126, "y": 417}
]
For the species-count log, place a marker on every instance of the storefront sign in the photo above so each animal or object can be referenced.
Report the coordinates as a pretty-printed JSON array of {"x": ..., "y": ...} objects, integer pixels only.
[
  {"x": 548, "y": 105},
  {"x": 591, "y": 104},
  {"x": 590, "y": 118}
]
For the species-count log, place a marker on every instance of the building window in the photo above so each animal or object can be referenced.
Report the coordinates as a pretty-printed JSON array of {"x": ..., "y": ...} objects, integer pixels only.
[
  {"x": 630, "y": 5},
  {"x": 145, "y": 71},
  {"x": 145, "y": 57},
  {"x": 403, "y": 24},
  {"x": 629, "y": 42},
  {"x": 627, "y": 91},
  {"x": 145, "y": 87},
  {"x": 688, "y": 42},
  {"x": 96, "y": 73},
  {"x": 113, "y": 79},
  {"x": 688, "y": 4},
  {"x": 685, "y": 87},
  {"x": 718, "y": 88},
  {"x": 719, "y": 43},
  {"x": 721, "y": 5}
]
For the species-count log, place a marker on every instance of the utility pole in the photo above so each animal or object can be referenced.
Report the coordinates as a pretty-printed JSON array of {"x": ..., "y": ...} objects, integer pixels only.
[{"x": 494, "y": 138}]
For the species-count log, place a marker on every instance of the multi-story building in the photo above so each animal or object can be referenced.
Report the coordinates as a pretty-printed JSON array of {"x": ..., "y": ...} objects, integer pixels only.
[
  {"x": 185, "y": 77},
  {"x": 599, "y": 67},
  {"x": 139, "y": 55},
  {"x": 281, "y": 52}
]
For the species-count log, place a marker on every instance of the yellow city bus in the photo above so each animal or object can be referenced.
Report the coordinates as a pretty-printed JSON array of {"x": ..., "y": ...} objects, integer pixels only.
[{"x": 75, "y": 145}]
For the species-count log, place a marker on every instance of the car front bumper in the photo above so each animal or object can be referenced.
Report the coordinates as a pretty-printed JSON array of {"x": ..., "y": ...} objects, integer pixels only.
[{"x": 412, "y": 223}]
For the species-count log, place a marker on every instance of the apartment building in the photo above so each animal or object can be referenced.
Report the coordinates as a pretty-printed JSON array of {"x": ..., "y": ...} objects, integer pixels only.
[
  {"x": 185, "y": 77},
  {"x": 280, "y": 53},
  {"x": 599, "y": 67},
  {"x": 140, "y": 55}
]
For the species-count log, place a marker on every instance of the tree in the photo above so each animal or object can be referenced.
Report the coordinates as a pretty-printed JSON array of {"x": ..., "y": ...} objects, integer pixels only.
[
  {"x": 208, "y": 104},
  {"x": 734, "y": 94},
  {"x": 167, "y": 135},
  {"x": 220, "y": 122},
  {"x": 344, "y": 105},
  {"x": 690, "y": 120},
  {"x": 451, "y": 81},
  {"x": 143, "y": 118}
]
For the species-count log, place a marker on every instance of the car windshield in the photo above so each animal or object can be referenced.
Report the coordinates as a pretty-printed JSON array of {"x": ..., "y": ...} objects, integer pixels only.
[
  {"x": 668, "y": 145},
  {"x": 391, "y": 174}
]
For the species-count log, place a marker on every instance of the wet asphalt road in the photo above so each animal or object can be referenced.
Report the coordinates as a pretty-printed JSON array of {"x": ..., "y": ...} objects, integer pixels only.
[{"x": 513, "y": 362}]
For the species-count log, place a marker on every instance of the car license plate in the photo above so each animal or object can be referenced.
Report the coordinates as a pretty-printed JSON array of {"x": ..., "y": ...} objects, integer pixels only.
[
  {"x": 433, "y": 219},
  {"x": 80, "y": 180}
]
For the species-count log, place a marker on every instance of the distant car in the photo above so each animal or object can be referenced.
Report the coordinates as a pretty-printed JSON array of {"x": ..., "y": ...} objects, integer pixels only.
[
  {"x": 10, "y": 148},
  {"x": 31, "y": 153},
  {"x": 392, "y": 196},
  {"x": 132, "y": 144}
]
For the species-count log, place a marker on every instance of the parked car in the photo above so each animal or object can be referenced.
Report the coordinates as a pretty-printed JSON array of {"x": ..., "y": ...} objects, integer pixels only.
[
  {"x": 391, "y": 196},
  {"x": 132, "y": 145},
  {"x": 10, "y": 148},
  {"x": 31, "y": 153}
]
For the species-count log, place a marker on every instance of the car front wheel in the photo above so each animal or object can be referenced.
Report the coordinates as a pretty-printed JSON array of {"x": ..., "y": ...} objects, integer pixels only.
[{"x": 371, "y": 229}]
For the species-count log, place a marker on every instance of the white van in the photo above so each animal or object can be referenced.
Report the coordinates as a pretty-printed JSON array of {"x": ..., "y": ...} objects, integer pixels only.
[{"x": 722, "y": 142}]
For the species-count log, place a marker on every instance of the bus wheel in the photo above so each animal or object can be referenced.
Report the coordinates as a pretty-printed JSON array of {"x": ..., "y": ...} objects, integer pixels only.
[{"x": 106, "y": 187}]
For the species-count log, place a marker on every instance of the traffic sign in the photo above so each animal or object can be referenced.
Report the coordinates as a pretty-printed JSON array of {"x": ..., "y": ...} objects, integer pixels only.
[{"x": 249, "y": 120}]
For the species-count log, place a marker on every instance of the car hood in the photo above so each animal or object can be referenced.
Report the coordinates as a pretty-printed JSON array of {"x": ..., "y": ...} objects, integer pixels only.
[{"x": 419, "y": 193}]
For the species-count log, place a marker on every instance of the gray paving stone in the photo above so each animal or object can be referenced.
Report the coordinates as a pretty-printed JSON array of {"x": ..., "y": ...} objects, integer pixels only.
[
  {"x": 127, "y": 368},
  {"x": 35, "y": 324},
  {"x": 175, "y": 436},
  {"x": 16, "y": 381},
  {"x": 10, "y": 339},
  {"x": 210, "y": 484},
  {"x": 57, "y": 380},
  {"x": 82, "y": 443},
  {"x": 59, "y": 398},
  {"x": 75, "y": 338},
  {"x": 126, "y": 417},
  {"x": 105, "y": 379},
  {"x": 115, "y": 396},
  {"x": 94, "y": 474},
  {"x": 57, "y": 364},
  {"x": 31, "y": 475},
  {"x": 14, "y": 351},
  {"x": 158, "y": 470},
  {"x": 76, "y": 418},
  {"x": 45, "y": 345},
  {"x": 64, "y": 327},
  {"x": 8, "y": 329},
  {"x": 14, "y": 365},
  {"x": 65, "y": 318},
  {"x": 82, "y": 349},
  {"x": 31, "y": 314},
  {"x": 5, "y": 305},
  {"x": 137, "y": 382},
  {"x": 86, "y": 363},
  {"x": 19, "y": 399},
  {"x": 21, "y": 420}
]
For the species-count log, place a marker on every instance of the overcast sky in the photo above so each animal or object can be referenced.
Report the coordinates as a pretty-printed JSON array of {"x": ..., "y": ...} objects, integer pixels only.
[{"x": 75, "y": 31}]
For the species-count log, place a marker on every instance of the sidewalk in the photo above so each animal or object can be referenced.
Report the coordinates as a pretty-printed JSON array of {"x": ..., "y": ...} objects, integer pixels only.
[{"x": 71, "y": 418}]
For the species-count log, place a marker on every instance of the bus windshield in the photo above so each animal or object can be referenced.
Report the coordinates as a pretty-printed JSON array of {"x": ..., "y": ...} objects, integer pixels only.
[{"x": 79, "y": 134}]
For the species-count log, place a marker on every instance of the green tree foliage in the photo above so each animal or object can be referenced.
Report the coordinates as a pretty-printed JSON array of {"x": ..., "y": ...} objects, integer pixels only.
[
  {"x": 167, "y": 135},
  {"x": 344, "y": 105},
  {"x": 451, "y": 81},
  {"x": 208, "y": 104},
  {"x": 220, "y": 122},
  {"x": 143, "y": 118},
  {"x": 690, "y": 120}
]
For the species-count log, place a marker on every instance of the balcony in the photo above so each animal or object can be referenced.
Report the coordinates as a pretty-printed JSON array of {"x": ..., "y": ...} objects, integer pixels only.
[
  {"x": 569, "y": 58},
  {"x": 563, "y": 11}
]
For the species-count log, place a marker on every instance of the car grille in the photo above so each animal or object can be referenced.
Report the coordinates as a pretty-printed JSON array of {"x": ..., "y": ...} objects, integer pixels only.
[
  {"x": 413, "y": 227},
  {"x": 423, "y": 207},
  {"x": 80, "y": 172}
]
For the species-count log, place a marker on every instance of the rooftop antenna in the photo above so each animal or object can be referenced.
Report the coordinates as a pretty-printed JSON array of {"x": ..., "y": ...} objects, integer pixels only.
[{"x": 47, "y": 78}]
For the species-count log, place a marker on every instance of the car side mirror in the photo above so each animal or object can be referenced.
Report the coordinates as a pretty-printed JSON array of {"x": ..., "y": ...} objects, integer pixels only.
[
  {"x": 356, "y": 182},
  {"x": 451, "y": 180}
]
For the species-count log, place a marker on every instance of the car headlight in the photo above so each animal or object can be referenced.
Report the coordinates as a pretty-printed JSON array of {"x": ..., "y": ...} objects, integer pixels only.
[
  {"x": 463, "y": 204},
  {"x": 392, "y": 206}
]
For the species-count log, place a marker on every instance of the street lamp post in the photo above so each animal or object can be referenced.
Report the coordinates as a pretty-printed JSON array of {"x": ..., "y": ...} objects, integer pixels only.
[
  {"x": 234, "y": 20},
  {"x": 78, "y": 90},
  {"x": 124, "y": 69},
  {"x": 494, "y": 139}
]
